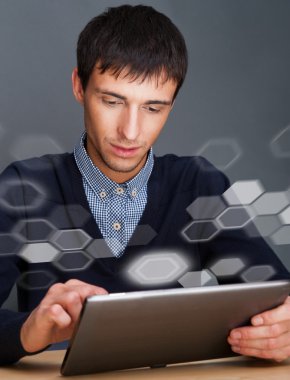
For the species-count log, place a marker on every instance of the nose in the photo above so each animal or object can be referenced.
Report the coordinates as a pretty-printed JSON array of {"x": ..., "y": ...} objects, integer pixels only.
[{"x": 129, "y": 124}]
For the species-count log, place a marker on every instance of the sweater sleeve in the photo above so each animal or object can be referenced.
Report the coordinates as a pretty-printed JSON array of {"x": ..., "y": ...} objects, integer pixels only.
[
  {"x": 11, "y": 349},
  {"x": 238, "y": 254}
]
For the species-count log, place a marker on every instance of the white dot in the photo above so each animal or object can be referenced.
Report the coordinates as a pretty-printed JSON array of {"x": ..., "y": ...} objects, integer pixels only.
[
  {"x": 103, "y": 194},
  {"x": 117, "y": 226}
]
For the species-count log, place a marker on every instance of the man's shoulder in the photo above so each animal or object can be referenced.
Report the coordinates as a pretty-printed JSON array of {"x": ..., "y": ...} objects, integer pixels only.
[
  {"x": 186, "y": 172},
  {"x": 183, "y": 163},
  {"x": 38, "y": 165},
  {"x": 46, "y": 172},
  {"x": 37, "y": 180},
  {"x": 43, "y": 162}
]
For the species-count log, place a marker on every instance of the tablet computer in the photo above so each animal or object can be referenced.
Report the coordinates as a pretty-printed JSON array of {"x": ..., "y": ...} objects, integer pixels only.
[{"x": 160, "y": 327}]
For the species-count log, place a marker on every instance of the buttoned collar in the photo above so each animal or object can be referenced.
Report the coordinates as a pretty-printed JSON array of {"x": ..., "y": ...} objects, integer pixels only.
[{"x": 103, "y": 186}]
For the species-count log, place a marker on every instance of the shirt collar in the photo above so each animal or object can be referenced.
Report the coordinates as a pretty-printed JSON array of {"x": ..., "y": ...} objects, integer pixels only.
[{"x": 101, "y": 184}]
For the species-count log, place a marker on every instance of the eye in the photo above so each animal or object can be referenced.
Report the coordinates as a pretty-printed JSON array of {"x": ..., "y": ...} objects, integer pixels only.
[
  {"x": 111, "y": 103},
  {"x": 152, "y": 109}
]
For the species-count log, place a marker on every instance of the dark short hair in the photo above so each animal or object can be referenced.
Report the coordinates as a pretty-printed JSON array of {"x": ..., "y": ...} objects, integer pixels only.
[{"x": 138, "y": 39}]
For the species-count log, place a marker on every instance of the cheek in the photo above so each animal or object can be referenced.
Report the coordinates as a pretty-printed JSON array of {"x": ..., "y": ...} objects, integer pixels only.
[
  {"x": 159, "y": 123},
  {"x": 95, "y": 119},
  {"x": 153, "y": 131}
]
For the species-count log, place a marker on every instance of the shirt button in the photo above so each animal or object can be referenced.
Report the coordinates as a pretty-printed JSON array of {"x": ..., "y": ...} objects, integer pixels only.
[
  {"x": 134, "y": 192},
  {"x": 119, "y": 190},
  {"x": 103, "y": 194},
  {"x": 117, "y": 226}
]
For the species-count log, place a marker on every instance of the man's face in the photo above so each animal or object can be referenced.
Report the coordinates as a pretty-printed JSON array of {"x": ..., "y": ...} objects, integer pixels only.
[{"x": 123, "y": 118}]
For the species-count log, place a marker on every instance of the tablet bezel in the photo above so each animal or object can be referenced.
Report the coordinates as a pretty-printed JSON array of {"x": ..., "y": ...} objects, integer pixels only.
[{"x": 153, "y": 327}]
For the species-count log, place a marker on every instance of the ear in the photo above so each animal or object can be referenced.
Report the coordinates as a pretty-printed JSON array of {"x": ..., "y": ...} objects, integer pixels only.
[{"x": 77, "y": 86}]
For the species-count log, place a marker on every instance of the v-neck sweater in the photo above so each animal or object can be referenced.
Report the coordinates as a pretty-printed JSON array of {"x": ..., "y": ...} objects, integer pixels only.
[{"x": 50, "y": 189}]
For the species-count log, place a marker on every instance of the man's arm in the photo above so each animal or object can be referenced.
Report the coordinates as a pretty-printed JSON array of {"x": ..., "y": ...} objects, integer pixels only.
[
  {"x": 11, "y": 349},
  {"x": 269, "y": 334},
  {"x": 54, "y": 319},
  {"x": 51, "y": 322},
  {"x": 22, "y": 333}
]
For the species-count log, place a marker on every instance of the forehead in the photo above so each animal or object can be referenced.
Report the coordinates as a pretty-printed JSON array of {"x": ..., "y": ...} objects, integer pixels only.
[{"x": 127, "y": 86}]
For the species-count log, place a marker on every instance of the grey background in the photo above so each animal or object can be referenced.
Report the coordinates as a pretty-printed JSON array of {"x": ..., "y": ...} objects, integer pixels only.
[
  {"x": 238, "y": 84},
  {"x": 237, "y": 88}
]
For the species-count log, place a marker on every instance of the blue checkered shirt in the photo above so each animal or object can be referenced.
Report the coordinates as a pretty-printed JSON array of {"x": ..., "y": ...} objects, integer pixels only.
[{"x": 117, "y": 208}]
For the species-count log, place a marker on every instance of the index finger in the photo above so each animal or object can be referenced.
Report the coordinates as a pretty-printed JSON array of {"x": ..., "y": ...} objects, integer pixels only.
[
  {"x": 84, "y": 289},
  {"x": 259, "y": 332},
  {"x": 76, "y": 282}
]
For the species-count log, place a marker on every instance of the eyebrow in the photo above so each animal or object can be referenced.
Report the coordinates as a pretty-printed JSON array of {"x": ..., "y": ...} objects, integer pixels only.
[{"x": 153, "y": 101}]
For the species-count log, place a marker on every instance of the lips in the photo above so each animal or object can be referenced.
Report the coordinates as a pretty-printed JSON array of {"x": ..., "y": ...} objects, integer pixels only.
[{"x": 124, "y": 151}]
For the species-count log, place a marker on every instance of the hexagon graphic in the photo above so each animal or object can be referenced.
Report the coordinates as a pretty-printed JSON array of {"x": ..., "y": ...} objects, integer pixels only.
[
  {"x": 38, "y": 252},
  {"x": 198, "y": 278},
  {"x": 235, "y": 217},
  {"x": 157, "y": 268},
  {"x": 142, "y": 235},
  {"x": 287, "y": 193},
  {"x": 101, "y": 248},
  {"x": 10, "y": 244},
  {"x": 285, "y": 216},
  {"x": 270, "y": 203},
  {"x": 73, "y": 261},
  {"x": 282, "y": 236},
  {"x": 258, "y": 273},
  {"x": 73, "y": 239},
  {"x": 64, "y": 216},
  {"x": 227, "y": 267},
  {"x": 222, "y": 152},
  {"x": 36, "y": 280},
  {"x": 265, "y": 225},
  {"x": 34, "y": 230},
  {"x": 14, "y": 189},
  {"x": 280, "y": 145},
  {"x": 199, "y": 231},
  {"x": 206, "y": 207},
  {"x": 33, "y": 146},
  {"x": 243, "y": 192}
]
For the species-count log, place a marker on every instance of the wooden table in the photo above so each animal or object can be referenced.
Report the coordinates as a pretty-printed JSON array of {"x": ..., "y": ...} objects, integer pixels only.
[{"x": 45, "y": 366}]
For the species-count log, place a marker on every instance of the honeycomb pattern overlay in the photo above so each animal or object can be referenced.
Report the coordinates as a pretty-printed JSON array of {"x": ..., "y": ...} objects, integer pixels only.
[
  {"x": 157, "y": 268},
  {"x": 222, "y": 152}
]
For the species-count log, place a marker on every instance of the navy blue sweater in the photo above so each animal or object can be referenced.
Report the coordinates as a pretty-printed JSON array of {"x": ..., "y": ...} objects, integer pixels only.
[{"x": 50, "y": 189}]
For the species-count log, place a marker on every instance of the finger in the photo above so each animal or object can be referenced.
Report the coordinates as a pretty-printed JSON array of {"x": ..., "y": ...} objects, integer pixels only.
[
  {"x": 70, "y": 296},
  {"x": 269, "y": 317},
  {"x": 56, "y": 291},
  {"x": 263, "y": 344},
  {"x": 277, "y": 355},
  {"x": 73, "y": 297},
  {"x": 55, "y": 315},
  {"x": 53, "y": 292},
  {"x": 85, "y": 289},
  {"x": 252, "y": 332},
  {"x": 41, "y": 326},
  {"x": 78, "y": 283},
  {"x": 72, "y": 302},
  {"x": 75, "y": 282}
]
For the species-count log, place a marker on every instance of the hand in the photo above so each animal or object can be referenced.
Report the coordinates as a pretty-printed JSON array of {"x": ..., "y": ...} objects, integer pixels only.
[
  {"x": 55, "y": 318},
  {"x": 268, "y": 337}
]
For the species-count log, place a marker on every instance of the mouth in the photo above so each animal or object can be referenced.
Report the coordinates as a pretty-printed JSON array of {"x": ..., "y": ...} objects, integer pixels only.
[{"x": 124, "y": 151}]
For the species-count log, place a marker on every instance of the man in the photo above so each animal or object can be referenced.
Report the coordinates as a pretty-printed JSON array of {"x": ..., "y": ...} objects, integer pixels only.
[{"x": 131, "y": 62}]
